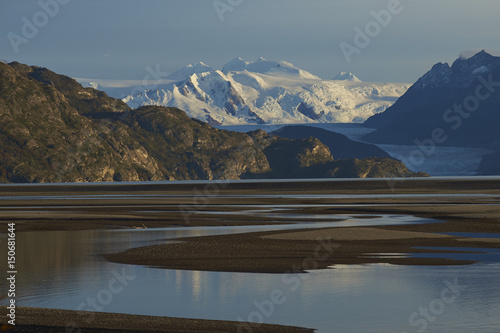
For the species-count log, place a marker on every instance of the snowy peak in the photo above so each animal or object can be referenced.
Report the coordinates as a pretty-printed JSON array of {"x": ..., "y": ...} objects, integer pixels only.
[
  {"x": 237, "y": 65},
  {"x": 346, "y": 76},
  {"x": 200, "y": 64},
  {"x": 461, "y": 74},
  {"x": 263, "y": 91},
  {"x": 91, "y": 84},
  {"x": 263, "y": 66},
  {"x": 189, "y": 70}
]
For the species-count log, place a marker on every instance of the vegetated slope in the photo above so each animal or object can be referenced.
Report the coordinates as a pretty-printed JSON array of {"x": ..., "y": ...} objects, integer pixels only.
[{"x": 52, "y": 129}]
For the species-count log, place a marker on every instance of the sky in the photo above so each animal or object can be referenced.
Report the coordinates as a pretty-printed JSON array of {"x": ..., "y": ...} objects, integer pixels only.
[{"x": 122, "y": 39}]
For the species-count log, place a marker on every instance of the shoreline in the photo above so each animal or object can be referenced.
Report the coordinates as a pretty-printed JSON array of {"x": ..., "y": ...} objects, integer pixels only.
[
  {"x": 108, "y": 206},
  {"x": 43, "y": 320}
]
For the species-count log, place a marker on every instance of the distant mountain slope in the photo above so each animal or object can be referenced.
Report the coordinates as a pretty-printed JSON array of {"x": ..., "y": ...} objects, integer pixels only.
[
  {"x": 189, "y": 70},
  {"x": 263, "y": 66},
  {"x": 54, "y": 130},
  {"x": 312, "y": 159},
  {"x": 340, "y": 145},
  {"x": 457, "y": 106},
  {"x": 345, "y": 76},
  {"x": 264, "y": 91}
]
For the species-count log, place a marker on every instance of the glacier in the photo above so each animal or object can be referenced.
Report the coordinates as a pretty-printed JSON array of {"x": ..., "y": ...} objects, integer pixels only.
[{"x": 264, "y": 92}]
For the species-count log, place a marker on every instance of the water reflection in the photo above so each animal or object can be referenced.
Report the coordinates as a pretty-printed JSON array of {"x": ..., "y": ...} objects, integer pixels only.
[{"x": 62, "y": 270}]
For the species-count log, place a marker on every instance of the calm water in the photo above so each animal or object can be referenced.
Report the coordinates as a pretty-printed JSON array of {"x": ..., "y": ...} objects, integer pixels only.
[{"x": 62, "y": 269}]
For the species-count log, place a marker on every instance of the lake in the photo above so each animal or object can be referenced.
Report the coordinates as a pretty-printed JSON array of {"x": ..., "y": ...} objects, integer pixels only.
[{"x": 63, "y": 269}]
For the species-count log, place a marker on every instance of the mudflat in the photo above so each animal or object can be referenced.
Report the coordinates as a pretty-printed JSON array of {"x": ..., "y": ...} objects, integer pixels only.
[
  {"x": 41, "y": 320},
  {"x": 301, "y": 250},
  {"x": 454, "y": 205},
  {"x": 117, "y": 205}
]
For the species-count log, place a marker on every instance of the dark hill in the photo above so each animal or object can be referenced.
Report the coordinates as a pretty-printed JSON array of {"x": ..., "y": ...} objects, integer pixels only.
[
  {"x": 452, "y": 106},
  {"x": 341, "y": 146}
]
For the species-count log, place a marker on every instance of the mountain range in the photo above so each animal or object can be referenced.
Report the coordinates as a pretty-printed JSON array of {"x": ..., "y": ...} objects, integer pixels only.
[
  {"x": 263, "y": 92},
  {"x": 457, "y": 105},
  {"x": 54, "y": 130}
]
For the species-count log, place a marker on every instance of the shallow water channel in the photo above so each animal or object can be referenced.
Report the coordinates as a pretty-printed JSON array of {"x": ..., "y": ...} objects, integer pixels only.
[{"x": 63, "y": 269}]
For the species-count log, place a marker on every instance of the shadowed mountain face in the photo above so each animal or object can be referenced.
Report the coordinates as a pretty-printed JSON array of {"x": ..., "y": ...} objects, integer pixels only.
[
  {"x": 451, "y": 106},
  {"x": 340, "y": 145},
  {"x": 310, "y": 158},
  {"x": 54, "y": 130}
]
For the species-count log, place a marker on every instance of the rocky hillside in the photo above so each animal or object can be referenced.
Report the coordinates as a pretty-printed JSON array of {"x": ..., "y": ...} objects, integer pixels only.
[{"x": 54, "y": 130}]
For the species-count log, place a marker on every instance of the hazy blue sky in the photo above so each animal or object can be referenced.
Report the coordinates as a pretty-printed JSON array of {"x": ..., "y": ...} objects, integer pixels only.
[{"x": 118, "y": 39}]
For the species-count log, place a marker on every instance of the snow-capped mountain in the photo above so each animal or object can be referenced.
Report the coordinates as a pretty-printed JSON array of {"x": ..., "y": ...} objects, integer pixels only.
[
  {"x": 346, "y": 76},
  {"x": 189, "y": 70},
  {"x": 263, "y": 66},
  {"x": 91, "y": 84},
  {"x": 263, "y": 91}
]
